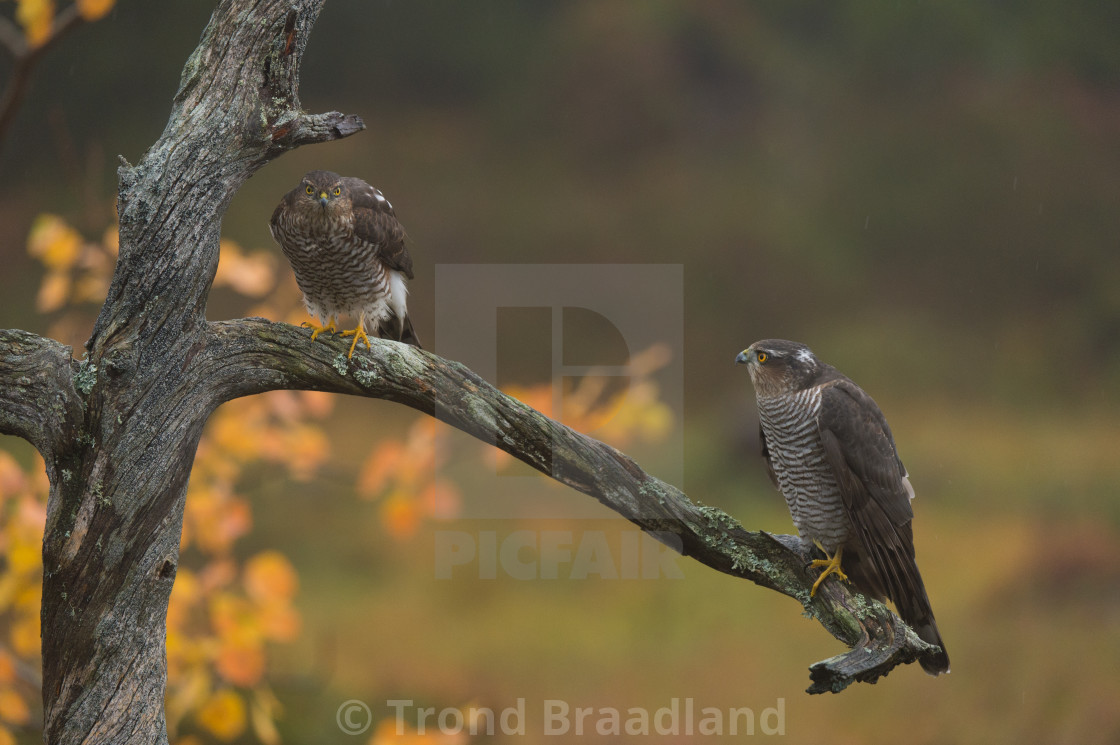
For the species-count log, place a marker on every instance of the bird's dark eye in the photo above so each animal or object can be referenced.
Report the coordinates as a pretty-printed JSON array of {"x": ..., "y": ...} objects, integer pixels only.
[
  {"x": 762, "y": 357},
  {"x": 337, "y": 190},
  {"x": 308, "y": 189}
]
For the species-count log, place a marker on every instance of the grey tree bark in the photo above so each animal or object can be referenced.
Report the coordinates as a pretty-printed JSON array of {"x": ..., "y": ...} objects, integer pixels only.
[{"x": 118, "y": 430}]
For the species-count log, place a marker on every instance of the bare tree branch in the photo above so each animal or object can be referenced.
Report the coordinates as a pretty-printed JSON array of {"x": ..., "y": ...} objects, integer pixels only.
[
  {"x": 114, "y": 516},
  {"x": 39, "y": 382},
  {"x": 254, "y": 355}
]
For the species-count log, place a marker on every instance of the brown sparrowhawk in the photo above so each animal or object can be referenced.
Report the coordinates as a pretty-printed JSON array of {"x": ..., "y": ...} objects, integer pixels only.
[
  {"x": 347, "y": 249},
  {"x": 831, "y": 453}
]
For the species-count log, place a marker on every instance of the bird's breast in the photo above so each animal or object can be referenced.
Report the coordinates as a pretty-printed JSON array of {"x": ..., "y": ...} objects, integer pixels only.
[{"x": 805, "y": 478}]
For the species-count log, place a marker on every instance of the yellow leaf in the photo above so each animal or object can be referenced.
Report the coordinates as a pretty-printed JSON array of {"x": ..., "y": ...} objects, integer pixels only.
[
  {"x": 13, "y": 708},
  {"x": 262, "y": 714},
  {"x": 92, "y": 10},
  {"x": 230, "y": 615},
  {"x": 36, "y": 17},
  {"x": 269, "y": 577},
  {"x": 6, "y": 737},
  {"x": 223, "y": 715},
  {"x": 51, "y": 240},
  {"x": 23, "y": 557},
  {"x": 24, "y": 636}
]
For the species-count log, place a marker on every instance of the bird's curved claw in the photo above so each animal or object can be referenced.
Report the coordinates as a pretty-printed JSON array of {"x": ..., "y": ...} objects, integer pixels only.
[
  {"x": 316, "y": 329},
  {"x": 831, "y": 565},
  {"x": 359, "y": 334}
]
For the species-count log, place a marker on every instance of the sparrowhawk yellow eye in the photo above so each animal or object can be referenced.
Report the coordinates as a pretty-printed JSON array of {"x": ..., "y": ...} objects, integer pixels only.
[
  {"x": 337, "y": 190},
  {"x": 762, "y": 357},
  {"x": 308, "y": 189}
]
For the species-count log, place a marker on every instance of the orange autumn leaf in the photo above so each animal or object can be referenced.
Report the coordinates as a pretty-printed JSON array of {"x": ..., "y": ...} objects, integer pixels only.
[
  {"x": 13, "y": 708},
  {"x": 252, "y": 275},
  {"x": 539, "y": 397},
  {"x": 400, "y": 516},
  {"x": 270, "y": 577},
  {"x": 36, "y": 17},
  {"x": 241, "y": 662},
  {"x": 24, "y": 635},
  {"x": 223, "y": 715},
  {"x": 441, "y": 500},
  {"x": 280, "y": 623},
  {"x": 216, "y": 575},
  {"x": 316, "y": 403},
  {"x": 7, "y": 667},
  {"x": 92, "y": 10},
  {"x": 388, "y": 733},
  {"x": 230, "y": 615},
  {"x": 303, "y": 448},
  {"x": 378, "y": 467},
  {"x": 214, "y": 520},
  {"x": 6, "y": 737}
]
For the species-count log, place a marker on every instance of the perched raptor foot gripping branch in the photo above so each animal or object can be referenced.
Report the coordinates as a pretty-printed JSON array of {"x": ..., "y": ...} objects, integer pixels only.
[
  {"x": 831, "y": 453},
  {"x": 347, "y": 249}
]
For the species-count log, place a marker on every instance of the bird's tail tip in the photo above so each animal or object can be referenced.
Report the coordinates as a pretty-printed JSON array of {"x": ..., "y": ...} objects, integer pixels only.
[{"x": 934, "y": 663}]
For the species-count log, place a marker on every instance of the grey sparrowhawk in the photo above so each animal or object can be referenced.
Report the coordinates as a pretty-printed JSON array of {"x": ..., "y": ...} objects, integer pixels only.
[{"x": 831, "y": 453}]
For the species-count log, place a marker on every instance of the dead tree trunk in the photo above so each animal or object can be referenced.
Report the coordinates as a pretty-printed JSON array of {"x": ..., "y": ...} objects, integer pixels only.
[{"x": 118, "y": 430}]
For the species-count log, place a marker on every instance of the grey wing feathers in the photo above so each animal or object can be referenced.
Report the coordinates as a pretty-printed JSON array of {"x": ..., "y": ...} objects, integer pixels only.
[{"x": 861, "y": 453}]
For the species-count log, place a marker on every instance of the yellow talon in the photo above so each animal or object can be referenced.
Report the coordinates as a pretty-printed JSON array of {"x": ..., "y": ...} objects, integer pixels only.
[
  {"x": 831, "y": 565},
  {"x": 359, "y": 334},
  {"x": 316, "y": 329}
]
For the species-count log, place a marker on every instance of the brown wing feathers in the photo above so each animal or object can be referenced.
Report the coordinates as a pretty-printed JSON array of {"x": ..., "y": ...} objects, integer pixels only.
[{"x": 861, "y": 451}]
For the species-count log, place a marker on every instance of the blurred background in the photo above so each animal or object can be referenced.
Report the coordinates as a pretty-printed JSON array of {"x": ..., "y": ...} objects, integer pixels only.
[{"x": 927, "y": 195}]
